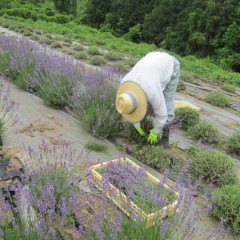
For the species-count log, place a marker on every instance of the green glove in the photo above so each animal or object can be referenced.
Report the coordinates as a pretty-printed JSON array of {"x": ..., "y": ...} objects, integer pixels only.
[
  {"x": 153, "y": 137},
  {"x": 140, "y": 131}
]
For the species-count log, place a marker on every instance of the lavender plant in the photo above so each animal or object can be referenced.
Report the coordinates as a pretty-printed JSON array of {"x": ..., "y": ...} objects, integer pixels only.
[
  {"x": 212, "y": 166},
  {"x": 95, "y": 107},
  {"x": 134, "y": 183},
  {"x": 153, "y": 156},
  {"x": 64, "y": 211},
  {"x": 205, "y": 133},
  {"x": 52, "y": 184},
  {"x": 226, "y": 204},
  {"x": 63, "y": 82},
  {"x": 8, "y": 109},
  {"x": 182, "y": 225},
  {"x": 56, "y": 90},
  {"x": 233, "y": 143}
]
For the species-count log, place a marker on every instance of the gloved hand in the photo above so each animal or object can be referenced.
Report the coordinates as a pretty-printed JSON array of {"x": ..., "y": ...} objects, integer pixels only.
[
  {"x": 140, "y": 131},
  {"x": 153, "y": 137}
]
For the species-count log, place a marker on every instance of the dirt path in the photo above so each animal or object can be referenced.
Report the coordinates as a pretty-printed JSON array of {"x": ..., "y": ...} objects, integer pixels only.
[{"x": 224, "y": 120}]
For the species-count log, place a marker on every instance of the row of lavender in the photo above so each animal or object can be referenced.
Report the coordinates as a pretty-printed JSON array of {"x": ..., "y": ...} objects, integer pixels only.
[
  {"x": 63, "y": 82},
  {"x": 54, "y": 205},
  {"x": 49, "y": 202}
]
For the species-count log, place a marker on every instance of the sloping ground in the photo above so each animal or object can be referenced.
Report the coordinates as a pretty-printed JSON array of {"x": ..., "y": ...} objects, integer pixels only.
[
  {"x": 38, "y": 122},
  {"x": 224, "y": 120}
]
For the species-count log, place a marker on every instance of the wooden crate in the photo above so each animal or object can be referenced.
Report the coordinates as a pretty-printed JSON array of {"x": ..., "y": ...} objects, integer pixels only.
[{"x": 120, "y": 199}]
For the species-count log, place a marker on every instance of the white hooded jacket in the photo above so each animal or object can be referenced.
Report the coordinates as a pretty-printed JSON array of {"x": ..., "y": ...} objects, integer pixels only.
[{"x": 153, "y": 73}]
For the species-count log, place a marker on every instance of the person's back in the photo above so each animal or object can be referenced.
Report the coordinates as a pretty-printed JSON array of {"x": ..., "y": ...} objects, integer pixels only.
[{"x": 154, "y": 68}]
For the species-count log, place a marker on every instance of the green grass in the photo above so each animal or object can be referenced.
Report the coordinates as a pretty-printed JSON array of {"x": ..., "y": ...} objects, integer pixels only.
[{"x": 96, "y": 147}]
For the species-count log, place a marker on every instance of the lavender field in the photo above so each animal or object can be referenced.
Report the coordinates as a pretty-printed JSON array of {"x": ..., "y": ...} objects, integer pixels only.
[{"x": 55, "y": 197}]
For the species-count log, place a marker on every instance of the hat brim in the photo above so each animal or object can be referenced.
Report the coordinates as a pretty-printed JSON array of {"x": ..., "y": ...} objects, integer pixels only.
[{"x": 141, "y": 109}]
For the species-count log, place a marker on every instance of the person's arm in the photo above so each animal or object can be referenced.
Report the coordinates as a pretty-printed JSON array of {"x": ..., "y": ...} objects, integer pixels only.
[{"x": 139, "y": 129}]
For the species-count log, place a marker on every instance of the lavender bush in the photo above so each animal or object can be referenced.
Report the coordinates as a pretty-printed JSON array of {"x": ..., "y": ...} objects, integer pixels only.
[
  {"x": 8, "y": 109},
  {"x": 182, "y": 225},
  {"x": 95, "y": 106},
  {"x": 226, "y": 204},
  {"x": 213, "y": 166},
  {"x": 61, "y": 81},
  {"x": 153, "y": 156},
  {"x": 63, "y": 207},
  {"x": 233, "y": 143}
]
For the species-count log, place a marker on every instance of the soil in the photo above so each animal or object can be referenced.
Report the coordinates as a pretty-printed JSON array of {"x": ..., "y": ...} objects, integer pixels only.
[{"x": 37, "y": 127}]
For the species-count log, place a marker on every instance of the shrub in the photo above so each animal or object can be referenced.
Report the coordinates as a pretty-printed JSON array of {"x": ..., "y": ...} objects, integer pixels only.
[
  {"x": 212, "y": 166},
  {"x": 217, "y": 98},
  {"x": 187, "y": 76},
  {"x": 93, "y": 51},
  {"x": 81, "y": 55},
  {"x": 56, "y": 90},
  {"x": 181, "y": 86},
  {"x": 98, "y": 61},
  {"x": 45, "y": 40},
  {"x": 67, "y": 40},
  {"x": 131, "y": 61},
  {"x": 50, "y": 12},
  {"x": 96, "y": 110},
  {"x": 27, "y": 33},
  {"x": 43, "y": 17},
  {"x": 56, "y": 45},
  {"x": 112, "y": 56},
  {"x": 229, "y": 88},
  {"x": 37, "y": 31},
  {"x": 20, "y": 72},
  {"x": 5, "y": 24},
  {"x": 233, "y": 143},
  {"x": 187, "y": 117},
  {"x": 120, "y": 67},
  {"x": 23, "y": 13},
  {"x": 62, "y": 19},
  {"x": 12, "y": 27},
  {"x": 152, "y": 156},
  {"x": 226, "y": 205},
  {"x": 78, "y": 47},
  {"x": 34, "y": 37},
  {"x": 204, "y": 132}
]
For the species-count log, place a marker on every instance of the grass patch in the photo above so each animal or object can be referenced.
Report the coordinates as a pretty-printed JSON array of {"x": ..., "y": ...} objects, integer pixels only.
[{"x": 96, "y": 147}]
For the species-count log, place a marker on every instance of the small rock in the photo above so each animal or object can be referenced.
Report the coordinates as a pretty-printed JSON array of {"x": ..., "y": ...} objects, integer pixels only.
[{"x": 50, "y": 116}]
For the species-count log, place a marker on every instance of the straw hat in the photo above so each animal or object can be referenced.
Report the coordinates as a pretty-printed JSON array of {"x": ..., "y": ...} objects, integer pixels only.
[{"x": 131, "y": 101}]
